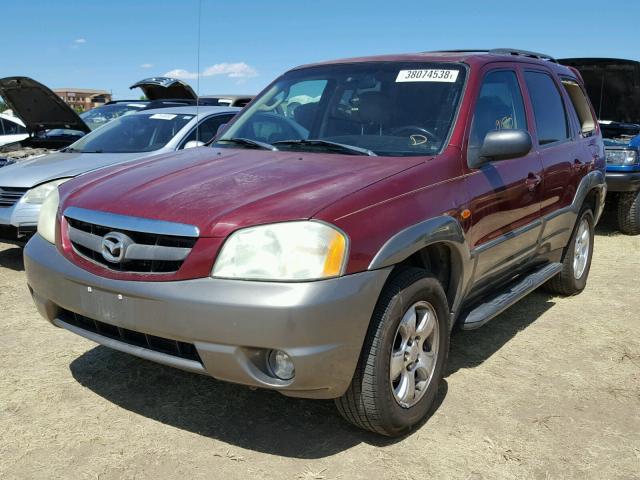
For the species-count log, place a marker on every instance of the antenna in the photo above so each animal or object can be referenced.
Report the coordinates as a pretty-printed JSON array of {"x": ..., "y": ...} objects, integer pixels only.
[{"x": 198, "y": 73}]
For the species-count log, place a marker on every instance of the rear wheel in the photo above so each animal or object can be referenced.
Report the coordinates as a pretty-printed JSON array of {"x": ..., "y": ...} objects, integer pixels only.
[
  {"x": 629, "y": 213},
  {"x": 577, "y": 259},
  {"x": 403, "y": 356}
]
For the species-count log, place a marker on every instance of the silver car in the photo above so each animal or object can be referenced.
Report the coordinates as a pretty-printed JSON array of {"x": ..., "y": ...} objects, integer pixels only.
[{"x": 24, "y": 185}]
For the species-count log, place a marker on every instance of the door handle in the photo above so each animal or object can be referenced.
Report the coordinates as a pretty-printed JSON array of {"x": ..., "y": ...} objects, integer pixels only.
[{"x": 533, "y": 181}]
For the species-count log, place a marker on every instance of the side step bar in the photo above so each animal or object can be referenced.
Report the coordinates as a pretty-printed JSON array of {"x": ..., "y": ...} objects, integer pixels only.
[{"x": 483, "y": 313}]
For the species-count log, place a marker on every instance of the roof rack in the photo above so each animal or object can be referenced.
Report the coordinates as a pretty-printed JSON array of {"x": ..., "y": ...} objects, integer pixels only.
[
  {"x": 505, "y": 51},
  {"x": 522, "y": 53}
]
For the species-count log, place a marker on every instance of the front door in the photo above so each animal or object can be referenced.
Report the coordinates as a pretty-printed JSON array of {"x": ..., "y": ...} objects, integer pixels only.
[{"x": 504, "y": 196}]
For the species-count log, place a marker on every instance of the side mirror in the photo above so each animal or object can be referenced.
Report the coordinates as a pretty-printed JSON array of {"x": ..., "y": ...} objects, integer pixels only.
[
  {"x": 193, "y": 144},
  {"x": 221, "y": 128},
  {"x": 502, "y": 145}
]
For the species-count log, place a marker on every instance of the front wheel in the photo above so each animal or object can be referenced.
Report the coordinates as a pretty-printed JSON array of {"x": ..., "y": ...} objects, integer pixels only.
[
  {"x": 577, "y": 259},
  {"x": 629, "y": 213},
  {"x": 403, "y": 356}
]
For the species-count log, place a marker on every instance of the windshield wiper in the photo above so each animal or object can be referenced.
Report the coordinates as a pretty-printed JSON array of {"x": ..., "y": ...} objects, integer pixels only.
[
  {"x": 249, "y": 143},
  {"x": 69, "y": 150},
  {"x": 340, "y": 147}
]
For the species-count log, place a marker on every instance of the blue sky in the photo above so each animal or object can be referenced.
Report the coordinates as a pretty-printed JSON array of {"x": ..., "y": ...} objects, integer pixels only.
[{"x": 110, "y": 44}]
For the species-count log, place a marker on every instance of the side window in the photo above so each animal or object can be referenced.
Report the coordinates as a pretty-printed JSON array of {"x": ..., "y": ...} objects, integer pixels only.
[
  {"x": 207, "y": 129},
  {"x": 11, "y": 128},
  {"x": 580, "y": 105},
  {"x": 548, "y": 109},
  {"x": 499, "y": 107}
]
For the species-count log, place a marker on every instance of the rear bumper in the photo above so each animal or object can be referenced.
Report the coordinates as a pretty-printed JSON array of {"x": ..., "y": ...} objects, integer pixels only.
[
  {"x": 232, "y": 324},
  {"x": 623, "y": 181}
]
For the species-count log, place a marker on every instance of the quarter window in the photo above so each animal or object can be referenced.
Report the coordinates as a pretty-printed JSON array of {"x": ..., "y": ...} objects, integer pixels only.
[
  {"x": 548, "y": 109},
  {"x": 499, "y": 107},
  {"x": 580, "y": 105}
]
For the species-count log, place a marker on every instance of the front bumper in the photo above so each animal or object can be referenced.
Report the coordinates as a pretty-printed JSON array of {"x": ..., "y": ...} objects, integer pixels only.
[
  {"x": 231, "y": 323},
  {"x": 18, "y": 222},
  {"x": 621, "y": 181}
]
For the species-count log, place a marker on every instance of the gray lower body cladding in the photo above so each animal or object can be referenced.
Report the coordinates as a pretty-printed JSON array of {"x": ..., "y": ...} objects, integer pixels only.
[
  {"x": 231, "y": 323},
  {"x": 623, "y": 181}
]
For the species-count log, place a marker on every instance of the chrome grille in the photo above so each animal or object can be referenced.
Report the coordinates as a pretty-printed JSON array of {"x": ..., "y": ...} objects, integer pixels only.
[
  {"x": 9, "y": 196},
  {"x": 137, "y": 251}
]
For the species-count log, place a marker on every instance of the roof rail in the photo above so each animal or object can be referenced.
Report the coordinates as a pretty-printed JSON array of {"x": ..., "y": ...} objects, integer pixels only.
[
  {"x": 502, "y": 51},
  {"x": 522, "y": 53}
]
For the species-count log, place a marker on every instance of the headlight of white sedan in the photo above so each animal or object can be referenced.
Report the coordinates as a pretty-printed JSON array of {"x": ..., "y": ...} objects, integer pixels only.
[
  {"x": 47, "y": 218},
  {"x": 290, "y": 251},
  {"x": 37, "y": 194}
]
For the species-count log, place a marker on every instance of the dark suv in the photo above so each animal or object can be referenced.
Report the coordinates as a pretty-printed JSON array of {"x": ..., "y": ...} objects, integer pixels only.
[{"x": 338, "y": 229}]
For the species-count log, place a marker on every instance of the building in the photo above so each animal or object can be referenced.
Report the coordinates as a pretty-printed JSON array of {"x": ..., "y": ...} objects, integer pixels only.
[{"x": 83, "y": 99}]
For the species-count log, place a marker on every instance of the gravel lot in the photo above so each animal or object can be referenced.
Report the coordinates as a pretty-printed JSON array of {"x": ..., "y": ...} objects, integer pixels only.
[{"x": 549, "y": 389}]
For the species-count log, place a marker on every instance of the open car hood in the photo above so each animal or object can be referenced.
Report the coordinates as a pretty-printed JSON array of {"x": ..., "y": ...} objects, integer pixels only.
[
  {"x": 38, "y": 107},
  {"x": 165, "y": 88},
  {"x": 613, "y": 85}
]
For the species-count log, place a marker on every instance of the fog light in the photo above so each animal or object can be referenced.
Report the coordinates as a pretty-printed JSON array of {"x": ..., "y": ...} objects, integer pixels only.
[{"x": 281, "y": 365}]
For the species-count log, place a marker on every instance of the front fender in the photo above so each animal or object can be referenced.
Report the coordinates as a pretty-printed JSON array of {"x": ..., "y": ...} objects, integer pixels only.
[{"x": 439, "y": 230}]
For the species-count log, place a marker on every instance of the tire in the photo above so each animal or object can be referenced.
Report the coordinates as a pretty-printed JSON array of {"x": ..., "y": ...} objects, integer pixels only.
[
  {"x": 572, "y": 280},
  {"x": 629, "y": 213},
  {"x": 370, "y": 402}
]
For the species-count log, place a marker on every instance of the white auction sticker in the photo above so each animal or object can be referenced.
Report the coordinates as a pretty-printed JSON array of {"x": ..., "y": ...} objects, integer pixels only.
[
  {"x": 163, "y": 116},
  {"x": 429, "y": 75}
]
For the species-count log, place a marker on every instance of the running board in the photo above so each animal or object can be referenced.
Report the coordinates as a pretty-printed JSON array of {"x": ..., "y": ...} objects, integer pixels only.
[{"x": 483, "y": 313}]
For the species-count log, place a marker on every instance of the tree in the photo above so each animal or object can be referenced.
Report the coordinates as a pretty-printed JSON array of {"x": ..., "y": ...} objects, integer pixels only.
[{"x": 3, "y": 106}]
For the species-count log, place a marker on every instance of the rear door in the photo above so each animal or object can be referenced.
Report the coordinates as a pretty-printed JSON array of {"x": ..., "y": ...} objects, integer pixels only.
[
  {"x": 554, "y": 139},
  {"x": 504, "y": 195}
]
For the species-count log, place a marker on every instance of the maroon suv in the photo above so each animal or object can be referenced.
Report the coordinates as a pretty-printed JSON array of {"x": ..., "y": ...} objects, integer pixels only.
[{"x": 338, "y": 229}]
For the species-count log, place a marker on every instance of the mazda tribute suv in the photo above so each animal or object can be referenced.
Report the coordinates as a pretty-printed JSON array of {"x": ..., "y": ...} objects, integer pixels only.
[{"x": 338, "y": 229}]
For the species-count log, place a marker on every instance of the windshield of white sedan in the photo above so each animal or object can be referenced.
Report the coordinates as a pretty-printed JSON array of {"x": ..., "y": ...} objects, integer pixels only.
[
  {"x": 132, "y": 133},
  {"x": 379, "y": 108}
]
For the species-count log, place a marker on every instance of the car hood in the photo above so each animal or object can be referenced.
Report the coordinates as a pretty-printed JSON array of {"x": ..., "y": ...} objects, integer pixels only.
[
  {"x": 220, "y": 190},
  {"x": 32, "y": 172},
  {"x": 165, "y": 88},
  {"x": 613, "y": 86},
  {"x": 38, "y": 107}
]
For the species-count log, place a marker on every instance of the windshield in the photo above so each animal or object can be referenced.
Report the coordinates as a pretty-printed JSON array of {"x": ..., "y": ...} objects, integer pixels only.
[
  {"x": 133, "y": 133},
  {"x": 388, "y": 108},
  {"x": 97, "y": 117}
]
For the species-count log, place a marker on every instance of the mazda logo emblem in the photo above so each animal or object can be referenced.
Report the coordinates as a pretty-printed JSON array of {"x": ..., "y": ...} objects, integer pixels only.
[{"x": 114, "y": 246}]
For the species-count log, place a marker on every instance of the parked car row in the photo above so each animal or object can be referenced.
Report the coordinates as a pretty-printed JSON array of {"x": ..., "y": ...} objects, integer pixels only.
[
  {"x": 50, "y": 124},
  {"x": 332, "y": 235}
]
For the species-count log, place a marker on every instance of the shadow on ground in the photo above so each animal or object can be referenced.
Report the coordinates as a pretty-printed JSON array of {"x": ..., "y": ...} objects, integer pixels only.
[
  {"x": 470, "y": 348},
  {"x": 263, "y": 420},
  {"x": 11, "y": 258}
]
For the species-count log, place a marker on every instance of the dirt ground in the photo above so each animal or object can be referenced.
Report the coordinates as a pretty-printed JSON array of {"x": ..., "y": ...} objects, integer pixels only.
[{"x": 549, "y": 389}]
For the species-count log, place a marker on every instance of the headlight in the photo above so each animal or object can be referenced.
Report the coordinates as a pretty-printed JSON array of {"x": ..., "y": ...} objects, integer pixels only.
[
  {"x": 47, "y": 218},
  {"x": 301, "y": 250},
  {"x": 621, "y": 157},
  {"x": 37, "y": 194}
]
